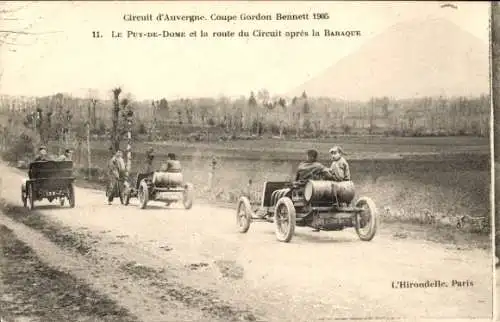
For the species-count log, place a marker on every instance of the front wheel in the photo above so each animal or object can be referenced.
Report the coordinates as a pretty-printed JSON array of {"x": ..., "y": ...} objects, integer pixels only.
[
  {"x": 367, "y": 220},
  {"x": 187, "y": 196},
  {"x": 143, "y": 194},
  {"x": 71, "y": 196},
  {"x": 243, "y": 214},
  {"x": 284, "y": 219}
]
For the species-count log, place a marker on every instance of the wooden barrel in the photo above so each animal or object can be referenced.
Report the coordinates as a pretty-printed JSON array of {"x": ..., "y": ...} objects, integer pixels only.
[
  {"x": 323, "y": 191},
  {"x": 167, "y": 179}
]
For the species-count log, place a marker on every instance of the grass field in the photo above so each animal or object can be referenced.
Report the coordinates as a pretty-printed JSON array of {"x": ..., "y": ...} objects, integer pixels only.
[
  {"x": 357, "y": 147},
  {"x": 443, "y": 177}
]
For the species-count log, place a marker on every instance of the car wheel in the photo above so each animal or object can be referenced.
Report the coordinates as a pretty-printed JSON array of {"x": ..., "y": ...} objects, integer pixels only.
[
  {"x": 143, "y": 194},
  {"x": 366, "y": 221},
  {"x": 243, "y": 214},
  {"x": 284, "y": 219},
  {"x": 187, "y": 196}
]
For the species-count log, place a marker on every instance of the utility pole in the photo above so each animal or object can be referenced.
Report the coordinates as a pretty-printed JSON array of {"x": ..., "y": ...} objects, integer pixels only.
[
  {"x": 89, "y": 158},
  {"x": 130, "y": 114}
]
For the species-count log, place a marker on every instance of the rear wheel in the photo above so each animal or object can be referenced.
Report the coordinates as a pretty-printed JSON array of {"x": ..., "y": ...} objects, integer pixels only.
[
  {"x": 30, "y": 197},
  {"x": 23, "y": 196},
  {"x": 284, "y": 219},
  {"x": 143, "y": 194},
  {"x": 243, "y": 214},
  {"x": 367, "y": 220},
  {"x": 187, "y": 196}
]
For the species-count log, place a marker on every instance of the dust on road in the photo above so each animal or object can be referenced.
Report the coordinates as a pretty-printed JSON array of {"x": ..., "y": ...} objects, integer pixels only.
[{"x": 318, "y": 276}]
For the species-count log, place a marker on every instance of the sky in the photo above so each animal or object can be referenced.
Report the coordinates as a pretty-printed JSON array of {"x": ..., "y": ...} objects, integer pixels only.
[{"x": 64, "y": 57}]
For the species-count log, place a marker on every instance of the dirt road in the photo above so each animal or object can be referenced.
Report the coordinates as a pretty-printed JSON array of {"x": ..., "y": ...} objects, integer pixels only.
[{"x": 167, "y": 259}]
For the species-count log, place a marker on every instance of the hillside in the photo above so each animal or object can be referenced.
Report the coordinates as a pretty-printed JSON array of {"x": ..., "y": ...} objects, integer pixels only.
[{"x": 417, "y": 58}]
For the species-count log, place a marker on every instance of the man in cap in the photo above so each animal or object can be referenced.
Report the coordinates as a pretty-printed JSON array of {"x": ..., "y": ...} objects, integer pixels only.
[
  {"x": 148, "y": 168},
  {"x": 339, "y": 167},
  {"x": 42, "y": 154},
  {"x": 312, "y": 169},
  {"x": 116, "y": 170}
]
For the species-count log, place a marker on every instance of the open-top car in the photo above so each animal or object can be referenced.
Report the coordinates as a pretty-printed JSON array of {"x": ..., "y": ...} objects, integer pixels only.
[
  {"x": 319, "y": 204},
  {"x": 49, "y": 180},
  {"x": 167, "y": 187}
]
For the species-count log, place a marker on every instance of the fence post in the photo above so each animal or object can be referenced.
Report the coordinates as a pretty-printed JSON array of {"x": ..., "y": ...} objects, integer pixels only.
[{"x": 213, "y": 164}]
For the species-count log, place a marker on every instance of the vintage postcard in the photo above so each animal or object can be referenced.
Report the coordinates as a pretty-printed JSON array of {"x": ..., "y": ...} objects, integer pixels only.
[
  {"x": 495, "y": 61},
  {"x": 245, "y": 161}
]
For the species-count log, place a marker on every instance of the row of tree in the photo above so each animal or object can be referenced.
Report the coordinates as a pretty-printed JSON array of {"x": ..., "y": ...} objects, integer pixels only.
[{"x": 60, "y": 117}]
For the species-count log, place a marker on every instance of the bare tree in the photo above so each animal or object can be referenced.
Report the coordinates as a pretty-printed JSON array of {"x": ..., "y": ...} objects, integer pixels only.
[{"x": 115, "y": 137}]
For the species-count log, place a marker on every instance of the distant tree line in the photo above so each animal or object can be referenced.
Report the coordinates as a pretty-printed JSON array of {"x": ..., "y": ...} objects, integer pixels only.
[{"x": 64, "y": 118}]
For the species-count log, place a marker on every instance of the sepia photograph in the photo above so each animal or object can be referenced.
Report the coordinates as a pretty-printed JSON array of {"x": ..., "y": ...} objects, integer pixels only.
[
  {"x": 495, "y": 77},
  {"x": 165, "y": 161}
]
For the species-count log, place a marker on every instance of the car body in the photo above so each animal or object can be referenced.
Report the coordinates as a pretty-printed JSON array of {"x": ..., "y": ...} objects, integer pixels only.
[
  {"x": 319, "y": 204},
  {"x": 160, "y": 186},
  {"x": 49, "y": 180}
]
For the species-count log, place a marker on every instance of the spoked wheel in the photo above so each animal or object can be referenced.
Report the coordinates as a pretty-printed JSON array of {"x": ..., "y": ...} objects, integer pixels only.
[
  {"x": 62, "y": 201},
  {"x": 187, "y": 196},
  {"x": 30, "y": 202},
  {"x": 243, "y": 214},
  {"x": 367, "y": 220},
  {"x": 143, "y": 194},
  {"x": 71, "y": 196},
  {"x": 284, "y": 219},
  {"x": 23, "y": 196}
]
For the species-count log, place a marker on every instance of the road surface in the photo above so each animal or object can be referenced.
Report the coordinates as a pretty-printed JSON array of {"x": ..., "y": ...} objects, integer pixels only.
[{"x": 146, "y": 258}]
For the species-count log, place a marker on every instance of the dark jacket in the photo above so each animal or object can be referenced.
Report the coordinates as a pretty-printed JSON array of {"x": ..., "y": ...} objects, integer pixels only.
[{"x": 312, "y": 170}]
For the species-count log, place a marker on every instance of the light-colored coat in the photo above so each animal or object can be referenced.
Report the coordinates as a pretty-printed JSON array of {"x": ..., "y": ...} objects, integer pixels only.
[{"x": 340, "y": 170}]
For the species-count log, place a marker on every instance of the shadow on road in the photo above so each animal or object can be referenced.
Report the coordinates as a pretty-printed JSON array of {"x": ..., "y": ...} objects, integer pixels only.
[
  {"x": 51, "y": 207},
  {"x": 318, "y": 237}
]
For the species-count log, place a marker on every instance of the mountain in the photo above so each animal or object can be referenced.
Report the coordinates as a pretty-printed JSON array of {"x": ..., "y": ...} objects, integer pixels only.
[{"x": 411, "y": 59}]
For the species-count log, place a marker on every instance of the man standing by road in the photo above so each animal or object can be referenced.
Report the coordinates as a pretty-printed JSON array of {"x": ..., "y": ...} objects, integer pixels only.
[{"x": 116, "y": 170}]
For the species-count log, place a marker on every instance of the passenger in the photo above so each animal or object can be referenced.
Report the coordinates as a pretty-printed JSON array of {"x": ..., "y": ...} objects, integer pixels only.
[
  {"x": 172, "y": 164},
  {"x": 339, "y": 167},
  {"x": 312, "y": 169},
  {"x": 67, "y": 156},
  {"x": 116, "y": 170},
  {"x": 42, "y": 154},
  {"x": 148, "y": 167}
]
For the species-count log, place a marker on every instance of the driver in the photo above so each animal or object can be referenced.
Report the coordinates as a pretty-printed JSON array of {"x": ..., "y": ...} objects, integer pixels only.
[
  {"x": 42, "y": 154},
  {"x": 311, "y": 168},
  {"x": 66, "y": 156},
  {"x": 148, "y": 166}
]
